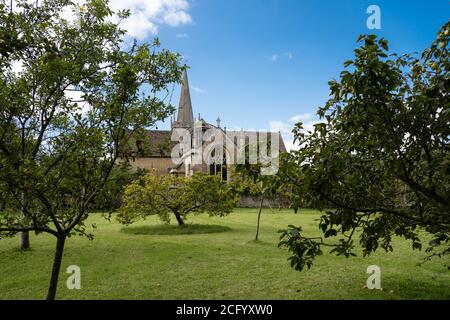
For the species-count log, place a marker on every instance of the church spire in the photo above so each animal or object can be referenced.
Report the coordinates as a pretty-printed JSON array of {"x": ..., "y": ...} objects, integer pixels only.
[{"x": 185, "y": 116}]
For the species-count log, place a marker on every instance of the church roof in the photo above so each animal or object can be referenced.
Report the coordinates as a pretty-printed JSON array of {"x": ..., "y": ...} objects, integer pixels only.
[
  {"x": 157, "y": 144},
  {"x": 281, "y": 148}
]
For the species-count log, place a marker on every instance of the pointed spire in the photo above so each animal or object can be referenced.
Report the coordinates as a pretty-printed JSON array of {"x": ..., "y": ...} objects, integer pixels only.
[{"x": 185, "y": 116}]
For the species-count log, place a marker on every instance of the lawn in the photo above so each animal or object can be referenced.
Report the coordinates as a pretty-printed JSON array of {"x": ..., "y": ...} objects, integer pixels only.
[{"x": 216, "y": 258}]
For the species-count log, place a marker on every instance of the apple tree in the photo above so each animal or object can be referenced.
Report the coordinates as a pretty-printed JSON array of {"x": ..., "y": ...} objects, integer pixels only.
[
  {"x": 67, "y": 110},
  {"x": 169, "y": 194},
  {"x": 379, "y": 163}
]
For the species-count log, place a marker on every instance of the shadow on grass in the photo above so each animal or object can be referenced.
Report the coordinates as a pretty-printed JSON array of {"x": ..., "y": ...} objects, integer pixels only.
[
  {"x": 167, "y": 230},
  {"x": 260, "y": 242},
  {"x": 17, "y": 250}
]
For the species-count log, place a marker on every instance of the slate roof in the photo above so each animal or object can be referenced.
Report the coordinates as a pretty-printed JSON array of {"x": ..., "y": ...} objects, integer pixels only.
[{"x": 159, "y": 144}]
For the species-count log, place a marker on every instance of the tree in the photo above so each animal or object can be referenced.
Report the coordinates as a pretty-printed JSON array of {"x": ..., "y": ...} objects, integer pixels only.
[
  {"x": 57, "y": 151},
  {"x": 180, "y": 196},
  {"x": 248, "y": 180},
  {"x": 109, "y": 199},
  {"x": 380, "y": 159}
]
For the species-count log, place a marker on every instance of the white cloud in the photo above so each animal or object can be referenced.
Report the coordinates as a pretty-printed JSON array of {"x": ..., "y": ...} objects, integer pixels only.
[
  {"x": 146, "y": 15},
  {"x": 289, "y": 144},
  {"x": 139, "y": 26},
  {"x": 280, "y": 126},
  {"x": 301, "y": 117},
  {"x": 277, "y": 56},
  {"x": 309, "y": 126},
  {"x": 197, "y": 89},
  {"x": 285, "y": 128},
  {"x": 176, "y": 18}
]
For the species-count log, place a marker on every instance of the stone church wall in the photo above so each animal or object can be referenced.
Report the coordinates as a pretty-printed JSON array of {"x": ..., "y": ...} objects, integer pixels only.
[
  {"x": 160, "y": 165},
  {"x": 254, "y": 202}
]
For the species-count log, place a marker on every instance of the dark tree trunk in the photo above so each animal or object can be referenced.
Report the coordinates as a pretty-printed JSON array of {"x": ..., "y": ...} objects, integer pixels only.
[
  {"x": 25, "y": 235},
  {"x": 56, "y": 267},
  {"x": 259, "y": 218},
  {"x": 24, "y": 240},
  {"x": 179, "y": 220}
]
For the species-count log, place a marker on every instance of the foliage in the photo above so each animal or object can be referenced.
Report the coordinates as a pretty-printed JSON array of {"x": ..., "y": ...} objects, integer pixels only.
[
  {"x": 381, "y": 156},
  {"x": 166, "y": 194},
  {"x": 249, "y": 181},
  {"x": 57, "y": 151},
  {"x": 110, "y": 197}
]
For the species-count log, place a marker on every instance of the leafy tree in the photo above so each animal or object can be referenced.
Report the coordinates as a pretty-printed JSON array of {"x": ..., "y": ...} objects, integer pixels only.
[
  {"x": 57, "y": 152},
  {"x": 180, "y": 196},
  {"x": 110, "y": 197},
  {"x": 249, "y": 180},
  {"x": 380, "y": 159}
]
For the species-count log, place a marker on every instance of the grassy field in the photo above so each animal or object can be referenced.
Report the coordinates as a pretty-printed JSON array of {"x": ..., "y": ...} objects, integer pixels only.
[{"x": 214, "y": 259}]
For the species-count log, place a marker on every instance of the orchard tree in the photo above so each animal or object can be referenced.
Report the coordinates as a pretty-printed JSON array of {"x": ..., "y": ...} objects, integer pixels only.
[
  {"x": 66, "y": 115},
  {"x": 248, "y": 180},
  {"x": 110, "y": 197},
  {"x": 381, "y": 157},
  {"x": 168, "y": 194}
]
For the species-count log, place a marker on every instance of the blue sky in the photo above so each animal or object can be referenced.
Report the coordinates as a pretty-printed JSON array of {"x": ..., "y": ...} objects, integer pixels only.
[{"x": 259, "y": 63}]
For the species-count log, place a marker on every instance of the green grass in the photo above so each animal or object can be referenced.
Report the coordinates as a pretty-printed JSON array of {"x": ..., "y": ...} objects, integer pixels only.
[{"x": 215, "y": 258}]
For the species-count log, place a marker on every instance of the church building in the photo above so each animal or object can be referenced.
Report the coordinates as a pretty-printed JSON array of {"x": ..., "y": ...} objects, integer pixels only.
[{"x": 156, "y": 154}]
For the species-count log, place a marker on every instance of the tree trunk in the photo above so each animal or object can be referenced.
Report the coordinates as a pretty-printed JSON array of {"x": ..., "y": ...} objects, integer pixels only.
[
  {"x": 25, "y": 235},
  {"x": 259, "y": 218},
  {"x": 56, "y": 267},
  {"x": 179, "y": 220},
  {"x": 24, "y": 240},
  {"x": 270, "y": 206}
]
